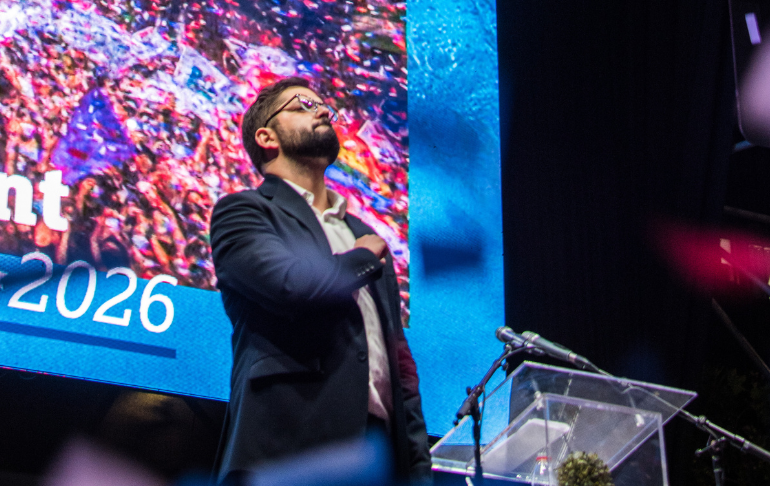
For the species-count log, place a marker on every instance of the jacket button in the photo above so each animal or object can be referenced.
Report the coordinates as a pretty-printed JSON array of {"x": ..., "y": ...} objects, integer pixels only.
[{"x": 362, "y": 356}]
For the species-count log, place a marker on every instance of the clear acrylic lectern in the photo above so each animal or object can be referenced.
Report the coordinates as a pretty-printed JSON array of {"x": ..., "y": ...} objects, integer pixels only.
[{"x": 548, "y": 412}]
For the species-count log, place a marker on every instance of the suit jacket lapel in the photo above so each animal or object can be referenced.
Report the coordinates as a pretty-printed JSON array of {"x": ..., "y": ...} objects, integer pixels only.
[
  {"x": 358, "y": 228},
  {"x": 379, "y": 287},
  {"x": 292, "y": 203}
]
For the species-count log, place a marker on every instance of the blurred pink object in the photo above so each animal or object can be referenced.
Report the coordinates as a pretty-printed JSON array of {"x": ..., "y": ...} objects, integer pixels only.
[
  {"x": 713, "y": 260},
  {"x": 83, "y": 463},
  {"x": 754, "y": 98}
]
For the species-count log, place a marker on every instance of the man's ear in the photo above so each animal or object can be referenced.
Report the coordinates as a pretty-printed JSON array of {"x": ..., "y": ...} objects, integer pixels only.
[{"x": 265, "y": 138}]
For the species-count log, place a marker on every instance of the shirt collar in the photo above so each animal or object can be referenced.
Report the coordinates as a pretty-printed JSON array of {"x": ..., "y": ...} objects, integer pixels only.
[{"x": 338, "y": 203}]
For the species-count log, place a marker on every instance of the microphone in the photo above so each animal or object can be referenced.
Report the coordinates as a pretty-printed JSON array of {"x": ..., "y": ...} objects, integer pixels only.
[
  {"x": 542, "y": 346},
  {"x": 509, "y": 336}
]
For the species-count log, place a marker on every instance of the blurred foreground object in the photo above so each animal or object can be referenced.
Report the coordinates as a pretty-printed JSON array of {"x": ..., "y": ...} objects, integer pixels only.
[
  {"x": 738, "y": 266},
  {"x": 715, "y": 261},
  {"x": 751, "y": 62},
  {"x": 362, "y": 462},
  {"x": 82, "y": 463}
]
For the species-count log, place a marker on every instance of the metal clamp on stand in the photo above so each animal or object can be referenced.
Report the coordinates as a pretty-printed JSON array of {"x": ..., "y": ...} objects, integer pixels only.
[{"x": 471, "y": 407}]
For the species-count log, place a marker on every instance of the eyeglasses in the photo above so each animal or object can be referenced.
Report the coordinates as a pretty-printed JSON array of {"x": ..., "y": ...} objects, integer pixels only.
[{"x": 307, "y": 104}]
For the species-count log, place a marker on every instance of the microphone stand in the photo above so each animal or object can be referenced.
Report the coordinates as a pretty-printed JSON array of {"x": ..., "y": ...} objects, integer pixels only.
[
  {"x": 471, "y": 407},
  {"x": 716, "y": 447},
  {"x": 718, "y": 435}
]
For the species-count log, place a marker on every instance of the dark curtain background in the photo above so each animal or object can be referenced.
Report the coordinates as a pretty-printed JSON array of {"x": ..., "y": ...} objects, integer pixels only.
[{"x": 614, "y": 115}]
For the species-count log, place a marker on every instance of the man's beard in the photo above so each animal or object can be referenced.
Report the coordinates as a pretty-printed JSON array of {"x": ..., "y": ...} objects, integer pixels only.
[{"x": 303, "y": 144}]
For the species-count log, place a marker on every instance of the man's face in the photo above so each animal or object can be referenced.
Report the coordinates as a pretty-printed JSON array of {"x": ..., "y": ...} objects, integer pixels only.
[{"x": 305, "y": 134}]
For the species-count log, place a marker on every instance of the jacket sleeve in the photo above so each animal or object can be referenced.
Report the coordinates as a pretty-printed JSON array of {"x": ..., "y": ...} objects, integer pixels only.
[
  {"x": 420, "y": 460},
  {"x": 253, "y": 259}
]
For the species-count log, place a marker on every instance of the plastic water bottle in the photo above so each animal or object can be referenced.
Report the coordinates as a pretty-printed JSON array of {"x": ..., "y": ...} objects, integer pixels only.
[{"x": 540, "y": 474}]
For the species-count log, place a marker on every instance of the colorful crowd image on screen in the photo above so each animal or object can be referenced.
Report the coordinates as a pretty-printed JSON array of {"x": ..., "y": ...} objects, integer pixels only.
[
  {"x": 138, "y": 104},
  {"x": 119, "y": 131}
]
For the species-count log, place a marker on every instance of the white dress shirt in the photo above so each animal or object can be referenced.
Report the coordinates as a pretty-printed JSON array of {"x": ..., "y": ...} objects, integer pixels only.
[{"x": 341, "y": 240}]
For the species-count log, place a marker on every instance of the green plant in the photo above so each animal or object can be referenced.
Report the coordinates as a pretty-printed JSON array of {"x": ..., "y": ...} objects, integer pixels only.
[{"x": 582, "y": 469}]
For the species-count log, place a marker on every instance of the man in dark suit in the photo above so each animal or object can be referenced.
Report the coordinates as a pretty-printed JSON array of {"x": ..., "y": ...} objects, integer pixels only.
[{"x": 318, "y": 348}]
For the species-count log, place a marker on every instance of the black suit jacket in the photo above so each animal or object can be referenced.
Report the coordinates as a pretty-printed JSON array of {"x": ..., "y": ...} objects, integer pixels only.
[{"x": 300, "y": 357}]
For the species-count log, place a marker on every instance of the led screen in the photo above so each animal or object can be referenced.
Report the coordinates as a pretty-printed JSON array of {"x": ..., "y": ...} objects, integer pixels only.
[
  {"x": 455, "y": 211},
  {"x": 119, "y": 130}
]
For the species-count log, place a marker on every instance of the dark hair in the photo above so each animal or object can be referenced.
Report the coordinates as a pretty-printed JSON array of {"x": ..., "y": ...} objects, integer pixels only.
[{"x": 258, "y": 113}]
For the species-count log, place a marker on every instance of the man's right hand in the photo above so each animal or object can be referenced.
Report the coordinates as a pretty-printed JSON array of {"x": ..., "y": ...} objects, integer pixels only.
[{"x": 374, "y": 244}]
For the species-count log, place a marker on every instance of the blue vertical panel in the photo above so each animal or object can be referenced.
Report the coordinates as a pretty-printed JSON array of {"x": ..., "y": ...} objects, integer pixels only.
[{"x": 455, "y": 210}]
